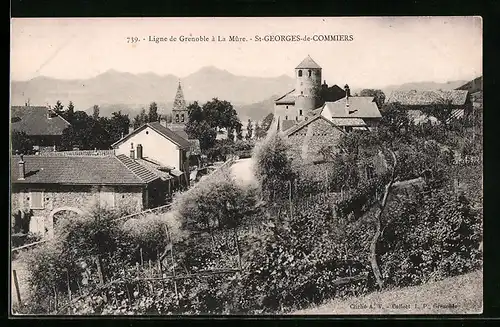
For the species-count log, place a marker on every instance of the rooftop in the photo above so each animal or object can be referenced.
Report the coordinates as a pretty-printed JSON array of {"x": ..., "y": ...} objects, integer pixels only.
[
  {"x": 162, "y": 130},
  {"x": 359, "y": 107},
  {"x": 424, "y": 98},
  {"x": 308, "y": 62},
  {"x": 37, "y": 121},
  {"x": 80, "y": 170}
]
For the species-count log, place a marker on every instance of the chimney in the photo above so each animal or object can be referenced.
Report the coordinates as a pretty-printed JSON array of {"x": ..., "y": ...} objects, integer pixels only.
[
  {"x": 22, "y": 169},
  {"x": 139, "y": 151},
  {"x": 347, "y": 91},
  {"x": 132, "y": 152},
  {"x": 347, "y": 95}
]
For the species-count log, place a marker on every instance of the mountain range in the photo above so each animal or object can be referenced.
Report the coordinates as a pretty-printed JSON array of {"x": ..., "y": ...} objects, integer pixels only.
[{"x": 252, "y": 97}]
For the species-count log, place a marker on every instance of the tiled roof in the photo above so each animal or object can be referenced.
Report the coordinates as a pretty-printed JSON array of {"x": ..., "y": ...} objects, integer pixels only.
[
  {"x": 359, "y": 107},
  {"x": 35, "y": 121},
  {"x": 348, "y": 122},
  {"x": 179, "y": 129},
  {"x": 287, "y": 98},
  {"x": 154, "y": 168},
  {"x": 304, "y": 123},
  {"x": 76, "y": 170},
  {"x": 162, "y": 130},
  {"x": 138, "y": 169},
  {"x": 308, "y": 62},
  {"x": 473, "y": 86},
  {"x": 424, "y": 98}
]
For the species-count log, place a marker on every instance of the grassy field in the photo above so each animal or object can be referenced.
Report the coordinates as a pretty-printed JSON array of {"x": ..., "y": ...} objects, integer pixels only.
[{"x": 456, "y": 295}]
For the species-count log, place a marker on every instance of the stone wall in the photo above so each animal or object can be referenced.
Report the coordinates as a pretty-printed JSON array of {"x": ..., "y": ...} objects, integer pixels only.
[
  {"x": 79, "y": 197},
  {"x": 309, "y": 140}
]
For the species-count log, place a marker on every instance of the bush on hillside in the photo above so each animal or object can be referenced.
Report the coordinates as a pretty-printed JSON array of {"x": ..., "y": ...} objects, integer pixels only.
[
  {"x": 432, "y": 237},
  {"x": 273, "y": 167}
]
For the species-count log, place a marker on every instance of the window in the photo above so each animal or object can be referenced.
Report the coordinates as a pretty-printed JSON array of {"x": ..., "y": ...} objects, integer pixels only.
[
  {"x": 300, "y": 112},
  {"x": 300, "y": 73},
  {"x": 176, "y": 118},
  {"x": 286, "y": 107},
  {"x": 182, "y": 117},
  {"x": 286, "y": 117},
  {"x": 310, "y": 72},
  {"x": 36, "y": 200},
  {"x": 301, "y": 92}
]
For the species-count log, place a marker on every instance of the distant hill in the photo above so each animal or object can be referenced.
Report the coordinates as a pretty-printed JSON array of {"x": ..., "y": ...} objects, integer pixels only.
[
  {"x": 422, "y": 86},
  {"x": 128, "y": 92},
  {"x": 256, "y": 111}
]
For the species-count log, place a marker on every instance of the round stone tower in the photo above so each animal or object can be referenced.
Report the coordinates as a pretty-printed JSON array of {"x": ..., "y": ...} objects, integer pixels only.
[{"x": 308, "y": 87}]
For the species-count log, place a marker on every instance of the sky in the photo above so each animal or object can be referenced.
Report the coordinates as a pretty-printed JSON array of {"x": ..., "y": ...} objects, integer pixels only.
[{"x": 383, "y": 50}]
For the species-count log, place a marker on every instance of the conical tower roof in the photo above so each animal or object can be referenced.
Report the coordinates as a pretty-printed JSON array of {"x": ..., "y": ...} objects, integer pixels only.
[
  {"x": 179, "y": 102},
  {"x": 308, "y": 62}
]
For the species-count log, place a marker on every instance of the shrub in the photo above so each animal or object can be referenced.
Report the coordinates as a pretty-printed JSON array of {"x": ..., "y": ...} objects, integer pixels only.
[
  {"x": 432, "y": 237},
  {"x": 296, "y": 262},
  {"x": 216, "y": 202},
  {"x": 273, "y": 167}
]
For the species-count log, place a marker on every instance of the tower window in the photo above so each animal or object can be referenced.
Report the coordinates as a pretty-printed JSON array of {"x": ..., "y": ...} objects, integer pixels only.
[
  {"x": 300, "y": 112},
  {"x": 310, "y": 72},
  {"x": 300, "y": 73},
  {"x": 176, "y": 118},
  {"x": 286, "y": 107},
  {"x": 182, "y": 117},
  {"x": 301, "y": 92},
  {"x": 286, "y": 117}
]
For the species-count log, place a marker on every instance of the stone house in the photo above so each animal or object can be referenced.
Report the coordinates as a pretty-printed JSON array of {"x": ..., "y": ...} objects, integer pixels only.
[
  {"x": 45, "y": 185},
  {"x": 416, "y": 102},
  {"x": 309, "y": 138},
  {"x": 42, "y": 125}
]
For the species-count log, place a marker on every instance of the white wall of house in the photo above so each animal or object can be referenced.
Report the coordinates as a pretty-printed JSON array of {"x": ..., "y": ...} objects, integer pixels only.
[{"x": 154, "y": 146}]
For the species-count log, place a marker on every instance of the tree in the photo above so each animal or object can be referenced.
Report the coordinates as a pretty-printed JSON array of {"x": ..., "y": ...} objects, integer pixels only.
[
  {"x": 249, "y": 130},
  {"x": 259, "y": 131},
  {"x": 440, "y": 109},
  {"x": 21, "y": 143},
  {"x": 85, "y": 133},
  {"x": 153, "y": 112},
  {"x": 140, "y": 119},
  {"x": 117, "y": 126},
  {"x": 395, "y": 121},
  {"x": 273, "y": 167},
  {"x": 239, "y": 131},
  {"x": 95, "y": 112},
  {"x": 70, "y": 112},
  {"x": 377, "y": 94},
  {"x": 58, "y": 108},
  {"x": 198, "y": 128},
  {"x": 220, "y": 114},
  {"x": 266, "y": 124}
]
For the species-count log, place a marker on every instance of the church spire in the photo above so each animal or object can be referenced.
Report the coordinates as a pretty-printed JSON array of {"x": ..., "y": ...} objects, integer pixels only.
[{"x": 179, "y": 102}]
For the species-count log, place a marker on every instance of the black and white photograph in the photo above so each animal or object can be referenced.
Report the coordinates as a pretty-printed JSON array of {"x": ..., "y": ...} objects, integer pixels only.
[{"x": 246, "y": 166}]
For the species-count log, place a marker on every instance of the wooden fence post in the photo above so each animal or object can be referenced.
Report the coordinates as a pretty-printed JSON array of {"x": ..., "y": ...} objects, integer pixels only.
[
  {"x": 16, "y": 285},
  {"x": 101, "y": 276},
  {"x": 173, "y": 264},
  {"x": 69, "y": 291}
]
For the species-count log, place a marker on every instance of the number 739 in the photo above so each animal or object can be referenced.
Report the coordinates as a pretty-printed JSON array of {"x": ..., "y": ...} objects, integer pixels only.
[{"x": 132, "y": 39}]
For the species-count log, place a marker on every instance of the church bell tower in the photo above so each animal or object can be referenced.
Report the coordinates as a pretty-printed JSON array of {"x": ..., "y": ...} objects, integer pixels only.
[{"x": 179, "y": 110}]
